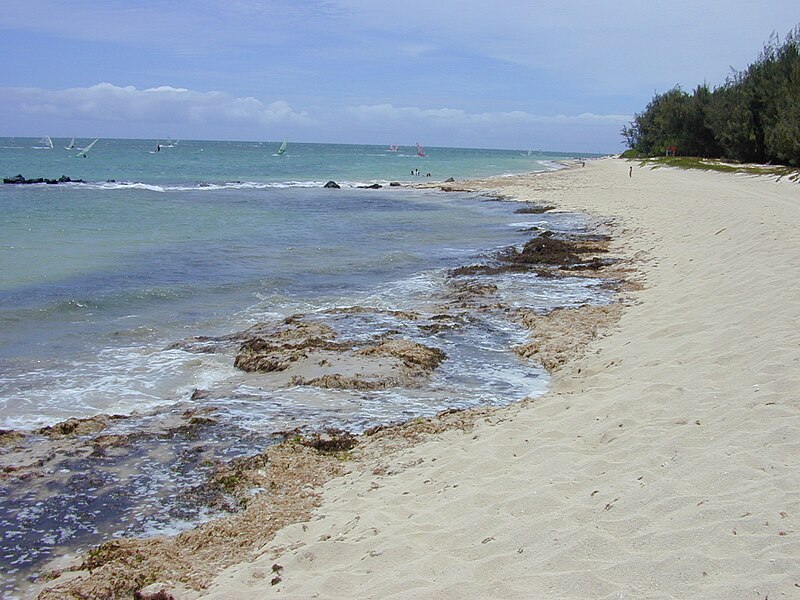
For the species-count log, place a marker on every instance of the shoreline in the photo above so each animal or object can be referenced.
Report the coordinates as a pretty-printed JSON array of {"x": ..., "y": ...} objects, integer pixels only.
[
  {"x": 292, "y": 350},
  {"x": 662, "y": 462}
]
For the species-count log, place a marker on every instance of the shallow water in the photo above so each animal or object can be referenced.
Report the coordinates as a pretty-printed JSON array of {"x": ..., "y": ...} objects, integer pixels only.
[{"x": 99, "y": 279}]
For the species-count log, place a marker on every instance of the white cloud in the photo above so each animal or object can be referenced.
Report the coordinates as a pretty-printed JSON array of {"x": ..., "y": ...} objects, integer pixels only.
[
  {"x": 110, "y": 110},
  {"x": 457, "y": 117},
  {"x": 511, "y": 129},
  {"x": 163, "y": 105}
]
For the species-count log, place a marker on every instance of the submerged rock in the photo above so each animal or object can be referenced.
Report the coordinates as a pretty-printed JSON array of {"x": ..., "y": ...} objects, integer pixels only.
[
  {"x": 263, "y": 356},
  {"x": 266, "y": 348},
  {"x": 413, "y": 354},
  {"x": 533, "y": 209}
]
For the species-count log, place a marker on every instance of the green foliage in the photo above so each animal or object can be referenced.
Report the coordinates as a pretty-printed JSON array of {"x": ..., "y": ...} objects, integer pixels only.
[
  {"x": 707, "y": 164},
  {"x": 753, "y": 117},
  {"x": 631, "y": 153}
]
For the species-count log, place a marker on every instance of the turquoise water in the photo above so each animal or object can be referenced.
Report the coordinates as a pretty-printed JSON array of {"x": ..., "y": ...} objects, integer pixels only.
[
  {"x": 99, "y": 279},
  {"x": 193, "y": 162},
  {"x": 206, "y": 238}
]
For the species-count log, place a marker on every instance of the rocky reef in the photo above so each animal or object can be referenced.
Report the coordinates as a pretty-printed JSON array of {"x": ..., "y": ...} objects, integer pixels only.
[{"x": 20, "y": 180}]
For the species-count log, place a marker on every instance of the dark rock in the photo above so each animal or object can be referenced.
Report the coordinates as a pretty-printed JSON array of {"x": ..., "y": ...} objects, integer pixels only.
[
  {"x": 450, "y": 180},
  {"x": 9, "y": 437},
  {"x": 77, "y": 427},
  {"x": 159, "y": 595},
  {"x": 394, "y": 184},
  {"x": 532, "y": 209},
  {"x": 198, "y": 394},
  {"x": 332, "y": 184},
  {"x": 374, "y": 186},
  {"x": 19, "y": 179},
  {"x": 546, "y": 250},
  {"x": 331, "y": 441}
]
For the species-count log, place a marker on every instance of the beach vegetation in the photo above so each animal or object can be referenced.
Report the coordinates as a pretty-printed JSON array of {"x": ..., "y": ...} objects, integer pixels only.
[
  {"x": 708, "y": 164},
  {"x": 754, "y": 117},
  {"x": 632, "y": 153}
]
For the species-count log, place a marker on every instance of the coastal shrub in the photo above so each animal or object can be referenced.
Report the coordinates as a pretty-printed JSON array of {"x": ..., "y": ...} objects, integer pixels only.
[
  {"x": 753, "y": 117},
  {"x": 632, "y": 153}
]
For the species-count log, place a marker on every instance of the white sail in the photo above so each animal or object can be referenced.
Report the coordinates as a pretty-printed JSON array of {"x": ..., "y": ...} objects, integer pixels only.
[
  {"x": 71, "y": 145},
  {"x": 84, "y": 151},
  {"x": 45, "y": 143},
  {"x": 282, "y": 149}
]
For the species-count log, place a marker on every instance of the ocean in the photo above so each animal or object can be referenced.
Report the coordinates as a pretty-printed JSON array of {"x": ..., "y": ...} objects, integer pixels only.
[{"x": 100, "y": 279}]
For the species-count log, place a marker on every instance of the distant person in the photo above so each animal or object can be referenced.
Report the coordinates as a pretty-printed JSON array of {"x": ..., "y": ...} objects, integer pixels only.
[{"x": 630, "y": 171}]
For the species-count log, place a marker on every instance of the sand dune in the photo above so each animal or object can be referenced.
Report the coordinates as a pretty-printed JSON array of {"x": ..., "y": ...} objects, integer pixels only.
[{"x": 664, "y": 463}]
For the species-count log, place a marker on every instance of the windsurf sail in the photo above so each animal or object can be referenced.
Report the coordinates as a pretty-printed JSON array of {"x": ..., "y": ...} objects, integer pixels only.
[
  {"x": 282, "y": 149},
  {"x": 420, "y": 150},
  {"x": 84, "y": 151},
  {"x": 71, "y": 145},
  {"x": 45, "y": 143}
]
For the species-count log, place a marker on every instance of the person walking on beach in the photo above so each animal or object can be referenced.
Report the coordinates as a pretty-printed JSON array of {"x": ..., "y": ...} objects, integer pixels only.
[{"x": 630, "y": 171}]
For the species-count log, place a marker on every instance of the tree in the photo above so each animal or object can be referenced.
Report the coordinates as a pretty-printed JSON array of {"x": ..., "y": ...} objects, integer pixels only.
[{"x": 753, "y": 117}]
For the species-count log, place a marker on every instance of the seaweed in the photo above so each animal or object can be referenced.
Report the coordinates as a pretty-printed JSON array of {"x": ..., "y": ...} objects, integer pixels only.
[{"x": 331, "y": 441}]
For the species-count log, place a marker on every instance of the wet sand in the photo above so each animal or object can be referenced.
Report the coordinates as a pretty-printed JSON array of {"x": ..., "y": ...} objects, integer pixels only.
[{"x": 662, "y": 464}]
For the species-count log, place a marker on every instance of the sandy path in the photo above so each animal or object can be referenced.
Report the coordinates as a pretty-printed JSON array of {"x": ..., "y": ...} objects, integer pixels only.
[{"x": 665, "y": 463}]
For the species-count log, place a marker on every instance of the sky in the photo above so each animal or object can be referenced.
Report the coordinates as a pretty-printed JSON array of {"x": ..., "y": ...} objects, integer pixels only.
[{"x": 516, "y": 74}]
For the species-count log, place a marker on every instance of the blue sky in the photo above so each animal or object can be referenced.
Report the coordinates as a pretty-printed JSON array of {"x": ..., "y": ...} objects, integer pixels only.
[{"x": 491, "y": 73}]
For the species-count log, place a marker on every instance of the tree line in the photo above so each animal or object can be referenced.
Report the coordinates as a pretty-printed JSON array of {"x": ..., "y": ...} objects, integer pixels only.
[{"x": 753, "y": 117}]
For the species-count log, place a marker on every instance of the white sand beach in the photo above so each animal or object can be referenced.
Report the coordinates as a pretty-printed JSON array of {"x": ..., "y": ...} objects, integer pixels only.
[{"x": 664, "y": 462}]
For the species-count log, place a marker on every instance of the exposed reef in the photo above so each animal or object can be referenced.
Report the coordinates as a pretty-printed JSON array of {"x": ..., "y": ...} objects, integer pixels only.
[
  {"x": 300, "y": 351},
  {"x": 546, "y": 254},
  {"x": 275, "y": 484},
  {"x": 20, "y": 180}
]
